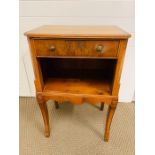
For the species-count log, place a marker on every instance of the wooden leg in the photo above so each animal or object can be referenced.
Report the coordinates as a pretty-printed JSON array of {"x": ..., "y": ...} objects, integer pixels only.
[
  {"x": 102, "y": 106},
  {"x": 44, "y": 111},
  {"x": 111, "y": 111},
  {"x": 56, "y": 104}
]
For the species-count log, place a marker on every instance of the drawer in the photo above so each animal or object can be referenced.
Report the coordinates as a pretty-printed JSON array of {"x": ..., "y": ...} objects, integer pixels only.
[
  {"x": 98, "y": 48},
  {"x": 91, "y": 48},
  {"x": 46, "y": 47}
]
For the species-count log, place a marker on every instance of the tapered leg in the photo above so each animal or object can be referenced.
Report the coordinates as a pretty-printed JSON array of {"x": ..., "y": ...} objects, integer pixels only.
[
  {"x": 44, "y": 111},
  {"x": 102, "y": 106},
  {"x": 56, "y": 104},
  {"x": 111, "y": 111}
]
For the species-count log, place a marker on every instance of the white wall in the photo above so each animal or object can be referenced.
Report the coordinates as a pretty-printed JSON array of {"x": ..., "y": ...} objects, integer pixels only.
[{"x": 34, "y": 13}]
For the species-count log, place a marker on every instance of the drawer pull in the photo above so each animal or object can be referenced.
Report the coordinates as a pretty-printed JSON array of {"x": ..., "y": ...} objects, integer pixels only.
[
  {"x": 99, "y": 48},
  {"x": 52, "y": 48}
]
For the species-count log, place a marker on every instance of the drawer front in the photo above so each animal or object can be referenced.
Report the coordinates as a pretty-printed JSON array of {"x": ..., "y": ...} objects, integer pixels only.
[
  {"x": 98, "y": 48},
  {"x": 76, "y": 48},
  {"x": 51, "y": 47}
]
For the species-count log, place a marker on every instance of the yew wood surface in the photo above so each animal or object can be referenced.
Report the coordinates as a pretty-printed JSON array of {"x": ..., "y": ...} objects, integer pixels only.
[
  {"x": 68, "y": 47},
  {"x": 60, "y": 31},
  {"x": 78, "y": 86},
  {"x": 52, "y": 79}
]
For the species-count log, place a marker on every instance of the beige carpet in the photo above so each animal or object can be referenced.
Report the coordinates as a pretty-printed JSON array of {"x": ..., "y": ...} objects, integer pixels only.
[{"x": 75, "y": 130}]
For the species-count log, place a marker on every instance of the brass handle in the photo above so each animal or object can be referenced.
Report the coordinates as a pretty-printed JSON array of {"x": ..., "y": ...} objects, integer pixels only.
[
  {"x": 52, "y": 48},
  {"x": 99, "y": 48}
]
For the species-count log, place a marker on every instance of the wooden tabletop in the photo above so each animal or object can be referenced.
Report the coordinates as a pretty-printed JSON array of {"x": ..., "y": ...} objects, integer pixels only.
[{"x": 58, "y": 31}]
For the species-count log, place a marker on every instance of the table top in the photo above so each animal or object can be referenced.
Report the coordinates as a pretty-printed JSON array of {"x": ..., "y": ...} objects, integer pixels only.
[{"x": 59, "y": 31}]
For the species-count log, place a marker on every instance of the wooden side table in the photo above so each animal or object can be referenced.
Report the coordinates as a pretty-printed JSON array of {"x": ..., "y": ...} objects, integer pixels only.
[{"x": 77, "y": 64}]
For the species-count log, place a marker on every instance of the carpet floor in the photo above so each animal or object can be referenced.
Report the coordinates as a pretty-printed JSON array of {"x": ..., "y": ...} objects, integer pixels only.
[{"x": 75, "y": 130}]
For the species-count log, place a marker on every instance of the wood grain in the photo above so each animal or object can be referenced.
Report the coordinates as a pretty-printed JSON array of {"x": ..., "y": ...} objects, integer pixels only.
[
  {"x": 119, "y": 66},
  {"x": 78, "y": 86},
  {"x": 84, "y": 78},
  {"x": 110, "y": 114},
  {"x": 44, "y": 111},
  {"x": 58, "y": 31},
  {"x": 36, "y": 67},
  {"x": 70, "y": 47}
]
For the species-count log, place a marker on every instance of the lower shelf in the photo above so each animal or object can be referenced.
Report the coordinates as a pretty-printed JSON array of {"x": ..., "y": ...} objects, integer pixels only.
[{"x": 78, "y": 86}]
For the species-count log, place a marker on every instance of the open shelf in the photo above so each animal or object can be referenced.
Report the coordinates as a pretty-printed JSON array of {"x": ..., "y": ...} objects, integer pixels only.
[
  {"x": 78, "y": 86},
  {"x": 78, "y": 76}
]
